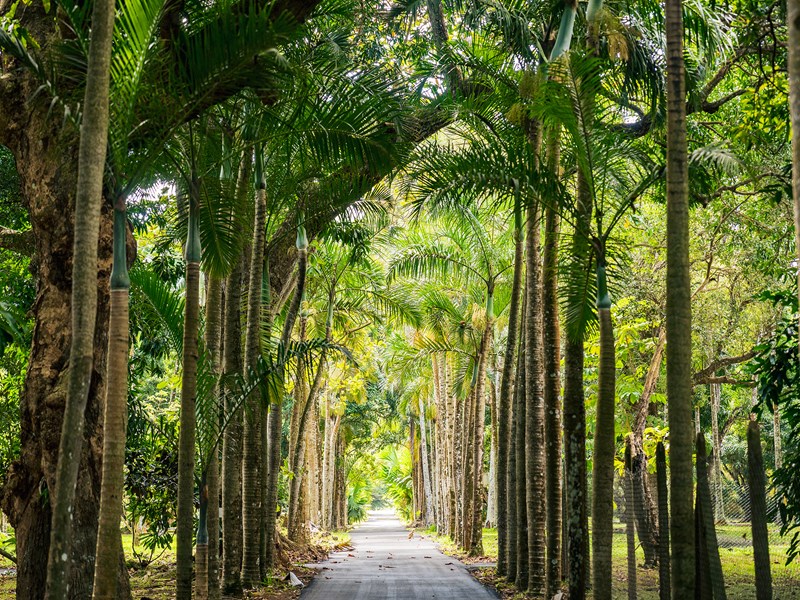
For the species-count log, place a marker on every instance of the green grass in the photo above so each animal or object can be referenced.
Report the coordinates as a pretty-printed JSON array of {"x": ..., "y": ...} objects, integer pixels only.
[{"x": 737, "y": 564}]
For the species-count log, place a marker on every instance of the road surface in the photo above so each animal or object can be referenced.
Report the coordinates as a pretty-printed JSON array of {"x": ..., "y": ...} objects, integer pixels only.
[{"x": 386, "y": 565}]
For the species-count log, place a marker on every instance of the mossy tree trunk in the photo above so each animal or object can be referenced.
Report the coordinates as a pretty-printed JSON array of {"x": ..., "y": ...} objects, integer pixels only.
[{"x": 88, "y": 201}]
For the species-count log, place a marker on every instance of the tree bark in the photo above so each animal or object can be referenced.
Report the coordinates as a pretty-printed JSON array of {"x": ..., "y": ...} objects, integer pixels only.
[
  {"x": 758, "y": 511},
  {"x": 115, "y": 419},
  {"x": 535, "y": 411},
  {"x": 88, "y": 202},
  {"x": 552, "y": 391},
  {"x": 231, "y": 441},
  {"x": 188, "y": 424},
  {"x": 793, "y": 72},
  {"x": 679, "y": 312},
  {"x": 705, "y": 517},
  {"x": 604, "y": 447},
  {"x": 505, "y": 528},
  {"x": 520, "y": 419},
  {"x": 630, "y": 521},
  {"x": 213, "y": 338},
  {"x": 664, "y": 576},
  {"x": 251, "y": 456}
]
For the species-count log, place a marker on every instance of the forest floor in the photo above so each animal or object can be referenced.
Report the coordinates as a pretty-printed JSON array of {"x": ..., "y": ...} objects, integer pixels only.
[
  {"x": 736, "y": 555},
  {"x": 154, "y": 579}
]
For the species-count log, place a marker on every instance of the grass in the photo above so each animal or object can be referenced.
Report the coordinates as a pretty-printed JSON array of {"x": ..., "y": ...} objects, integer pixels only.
[
  {"x": 736, "y": 556},
  {"x": 156, "y": 580}
]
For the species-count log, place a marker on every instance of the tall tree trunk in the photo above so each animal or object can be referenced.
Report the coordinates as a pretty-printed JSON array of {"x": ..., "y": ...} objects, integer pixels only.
[
  {"x": 46, "y": 156},
  {"x": 552, "y": 385},
  {"x": 679, "y": 311},
  {"x": 716, "y": 453},
  {"x": 206, "y": 559},
  {"x": 186, "y": 443},
  {"x": 793, "y": 47},
  {"x": 430, "y": 515},
  {"x": 776, "y": 436},
  {"x": 758, "y": 511},
  {"x": 476, "y": 537},
  {"x": 630, "y": 521},
  {"x": 275, "y": 429},
  {"x": 664, "y": 578},
  {"x": 520, "y": 419},
  {"x": 231, "y": 445},
  {"x": 604, "y": 445},
  {"x": 535, "y": 412},
  {"x": 232, "y": 533},
  {"x": 88, "y": 201},
  {"x": 251, "y": 456},
  {"x": 646, "y": 509},
  {"x": 505, "y": 527},
  {"x": 116, "y": 413},
  {"x": 705, "y": 518},
  {"x": 212, "y": 482},
  {"x": 304, "y": 406}
]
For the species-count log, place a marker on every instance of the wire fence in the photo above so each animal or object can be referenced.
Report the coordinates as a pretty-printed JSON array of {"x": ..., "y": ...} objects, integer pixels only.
[{"x": 732, "y": 513}]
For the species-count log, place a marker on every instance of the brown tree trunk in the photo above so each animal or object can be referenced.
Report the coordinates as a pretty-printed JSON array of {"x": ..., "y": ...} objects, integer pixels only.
[
  {"x": 664, "y": 577},
  {"x": 186, "y": 442},
  {"x": 520, "y": 475},
  {"x": 505, "y": 505},
  {"x": 535, "y": 412},
  {"x": 679, "y": 312},
  {"x": 231, "y": 441},
  {"x": 251, "y": 456},
  {"x": 552, "y": 391},
  {"x": 88, "y": 203},
  {"x": 793, "y": 26},
  {"x": 758, "y": 511}
]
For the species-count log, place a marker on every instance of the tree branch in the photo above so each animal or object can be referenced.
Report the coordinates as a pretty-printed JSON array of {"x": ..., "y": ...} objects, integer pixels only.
[
  {"x": 706, "y": 375},
  {"x": 21, "y": 242}
]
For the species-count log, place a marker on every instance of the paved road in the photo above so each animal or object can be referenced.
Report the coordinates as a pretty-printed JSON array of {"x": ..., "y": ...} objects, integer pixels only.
[{"x": 386, "y": 565}]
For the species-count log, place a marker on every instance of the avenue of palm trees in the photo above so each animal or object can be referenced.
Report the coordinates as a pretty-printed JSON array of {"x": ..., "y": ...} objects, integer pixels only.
[{"x": 505, "y": 264}]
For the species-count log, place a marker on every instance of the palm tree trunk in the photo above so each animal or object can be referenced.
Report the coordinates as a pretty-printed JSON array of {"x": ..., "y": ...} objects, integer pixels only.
[
  {"x": 705, "y": 518},
  {"x": 505, "y": 506},
  {"x": 679, "y": 312},
  {"x": 535, "y": 412},
  {"x": 603, "y": 463},
  {"x": 231, "y": 446},
  {"x": 201, "y": 550},
  {"x": 430, "y": 515},
  {"x": 664, "y": 578},
  {"x": 776, "y": 436},
  {"x": 793, "y": 47},
  {"x": 186, "y": 443},
  {"x": 716, "y": 453},
  {"x": 274, "y": 425},
  {"x": 758, "y": 511},
  {"x": 630, "y": 522},
  {"x": 476, "y": 534},
  {"x": 251, "y": 461},
  {"x": 232, "y": 534},
  {"x": 303, "y": 409},
  {"x": 106, "y": 565},
  {"x": 520, "y": 407},
  {"x": 552, "y": 379},
  {"x": 88, "y": 201},
  {"x": 213, "y": 337}
]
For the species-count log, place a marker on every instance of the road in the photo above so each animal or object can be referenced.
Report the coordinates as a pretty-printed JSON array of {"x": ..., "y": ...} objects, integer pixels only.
[{"x": 386, "y": 565}]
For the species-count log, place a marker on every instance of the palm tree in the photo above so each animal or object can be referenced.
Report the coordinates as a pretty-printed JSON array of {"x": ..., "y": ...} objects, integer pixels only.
[
  {"x": 251, "y": 473},
  {"x": 88, "y": 201},
  {"x": 186, "y": 442},
  {"x": 793, "y": 48},
  {"x": 679, "y": 313}
]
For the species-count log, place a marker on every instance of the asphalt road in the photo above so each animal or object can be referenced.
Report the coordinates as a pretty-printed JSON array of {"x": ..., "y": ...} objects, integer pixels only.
[{"x": 386, "y": 565}]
